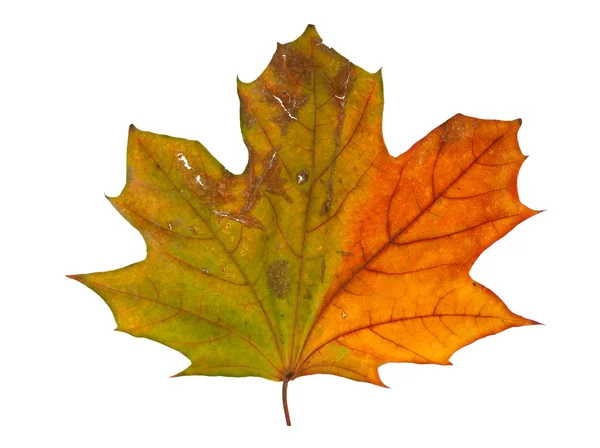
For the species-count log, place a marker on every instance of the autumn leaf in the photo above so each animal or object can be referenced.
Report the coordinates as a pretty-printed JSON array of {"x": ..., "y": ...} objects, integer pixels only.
[{"x": 326, "y": 255}]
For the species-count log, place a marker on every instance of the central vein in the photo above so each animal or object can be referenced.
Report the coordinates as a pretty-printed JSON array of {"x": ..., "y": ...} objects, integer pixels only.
[{"x": 305, "y": 224}]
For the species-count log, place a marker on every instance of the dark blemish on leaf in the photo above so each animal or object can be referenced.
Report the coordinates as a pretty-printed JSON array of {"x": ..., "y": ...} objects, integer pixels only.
[
  {"x": 307, "y": 294},
  {"x": 345, "y": 254},
  {"x": 195, "y": 229},
  {"x": 286, "y": 105},
  {"x": 247, "y": 116},
  {"x": 271, "y": 179},
  {"x": 341, "y": 83},
  {"x": 248, "y": 221},
  {"x": 278, "y": 275},
  {"x": 282, "y": 315},
  {"x": 210, "y": 191},
  {"x": 326, "y": 207},
  {"x": 292, "y": 70},
  {"x": 474, "y": 283},
  {"x": 252, "y": 193},
  {"x": 291, "y": 66},
  {"x": 302, "y": 176},
  {"x": 288, "y": 110}
]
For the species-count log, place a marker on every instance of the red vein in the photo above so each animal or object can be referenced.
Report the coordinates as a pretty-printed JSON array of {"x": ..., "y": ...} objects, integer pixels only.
[
  {"x": 353, "y": 132},
  {"x": 393, "y": 321},
  {"x": 334, "y": 214},
  {"x": 264, "y": 132},
  {"x": 224, "y": 250},
  {"x": 320, "y": 366},
  {"x": 491, "y": 221},
  {"x": 199, "y": 316},
  {"x": 203, "y": 341},
  {"x": 475, "y": 195},
  {"x": 277, "y": 224},
  {"x": 400, "y": 345},
  {"x": 378, "y": 272},
  {"x": 164, "y": 228},
  {"x": 140, "y": 327},
  {"x": 251, "y": 369},
  {"x": 385, "y": 246}
]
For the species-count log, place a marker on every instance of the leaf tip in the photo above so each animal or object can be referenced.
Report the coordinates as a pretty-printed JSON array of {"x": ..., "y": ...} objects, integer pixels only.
[
  {"x": 74, "y": 276},
  {"x": 377, "y": 381},
  {"x": 132, "y": 128},
  {"x": 112, "y": 200},
  {"x": 537, "y": 212},
  {"x": 456, "y": 117},
  {"x": 534, "y": 322},
  {"x": 311, "y": 31}
]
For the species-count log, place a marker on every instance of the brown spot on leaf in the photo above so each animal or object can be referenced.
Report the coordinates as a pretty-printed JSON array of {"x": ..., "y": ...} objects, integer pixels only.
[
  {"x": 278, "y": 275},
  {"x": 211, "y": 192},
  {"x": 270, "y": 178},
  {"x": 273, "y": 179},
  {"x": 291, "y": 66},
  {"x": 326, "y": 207},
  {"x": 341, "y": 83},
  {"x": 248, "y": 221},
  {"x": 246, "y": 115},
  {"x": 286, "y": 103},
  {"x": 195, "y": 229},
  {"x": 345, "y": 254},
  {"x": 302, "y": 176}
]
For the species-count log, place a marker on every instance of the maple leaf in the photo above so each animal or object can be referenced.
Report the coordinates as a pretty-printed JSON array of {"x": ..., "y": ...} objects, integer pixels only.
[{"x": 326, "y": 255}]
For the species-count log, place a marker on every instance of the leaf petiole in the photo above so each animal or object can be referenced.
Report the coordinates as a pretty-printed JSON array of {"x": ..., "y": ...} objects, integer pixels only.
[{"x": 285, "y": 405}]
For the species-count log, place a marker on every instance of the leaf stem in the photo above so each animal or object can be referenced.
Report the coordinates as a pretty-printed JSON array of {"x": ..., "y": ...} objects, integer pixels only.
[{"x": 285, "y": 405}]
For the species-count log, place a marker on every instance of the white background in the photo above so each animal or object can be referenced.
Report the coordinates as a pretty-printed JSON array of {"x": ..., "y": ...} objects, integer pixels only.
[{"x": 75, "y": 75}]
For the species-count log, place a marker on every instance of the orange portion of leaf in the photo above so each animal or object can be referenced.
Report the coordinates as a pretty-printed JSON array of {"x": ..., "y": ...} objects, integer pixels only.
[
  {"x": 404, "y": 294},
  {"x": 326, "y": 255}
]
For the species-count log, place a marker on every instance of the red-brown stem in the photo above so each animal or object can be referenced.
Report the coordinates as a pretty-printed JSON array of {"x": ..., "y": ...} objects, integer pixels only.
[{"x": 285, "y": 406}]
